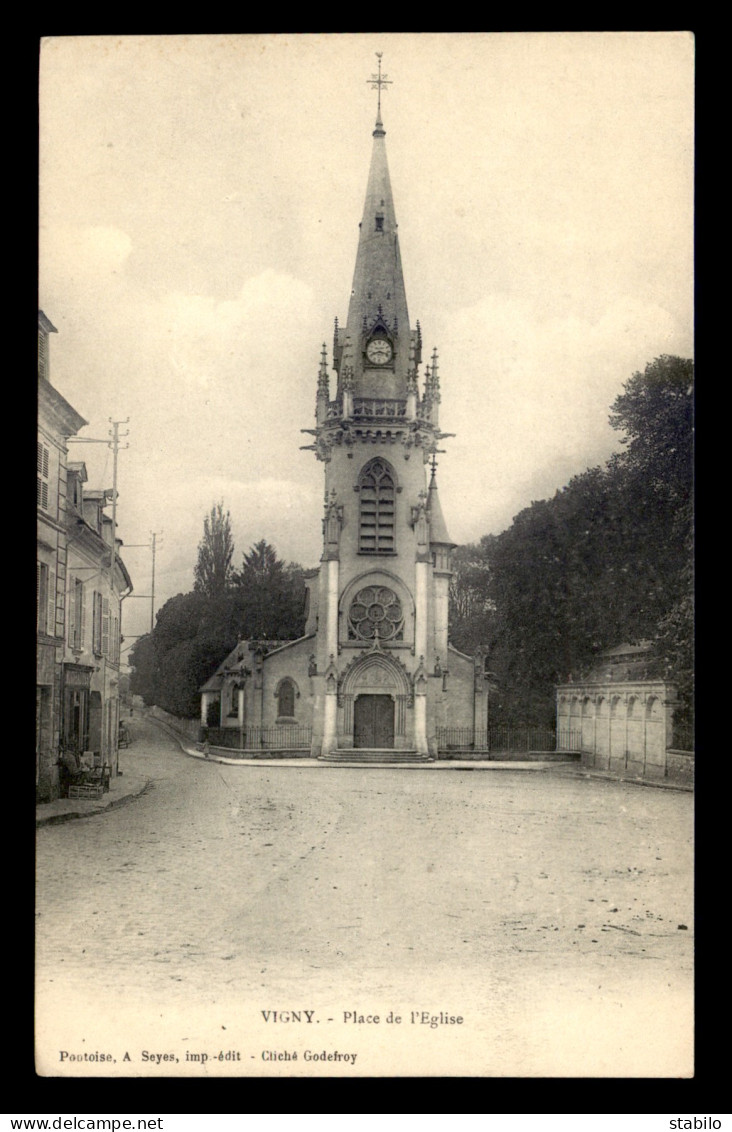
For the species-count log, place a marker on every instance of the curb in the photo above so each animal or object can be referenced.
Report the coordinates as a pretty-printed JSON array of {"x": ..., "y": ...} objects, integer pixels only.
[
  {"x": 656, "y": 785},
  {"x": 439, "y": 764},
  {"x": 99, "y": 808}
]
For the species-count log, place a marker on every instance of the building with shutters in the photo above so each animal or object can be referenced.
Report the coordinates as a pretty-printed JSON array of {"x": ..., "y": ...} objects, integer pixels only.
[
  {"x": 57, "y": 421},
  {"x": 375, "y": 676},
  {"x": 97, "y": 582},
  {"x": 80, "y": 585}
]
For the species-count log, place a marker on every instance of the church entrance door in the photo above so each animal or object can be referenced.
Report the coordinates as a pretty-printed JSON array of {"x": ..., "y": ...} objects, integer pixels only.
[{"x": 373, "y": 722}]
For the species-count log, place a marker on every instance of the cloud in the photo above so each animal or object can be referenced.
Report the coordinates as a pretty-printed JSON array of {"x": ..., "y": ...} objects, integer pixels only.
[
  {"x": 208, "y": 340},
  {"x": 531, "y": 399}
]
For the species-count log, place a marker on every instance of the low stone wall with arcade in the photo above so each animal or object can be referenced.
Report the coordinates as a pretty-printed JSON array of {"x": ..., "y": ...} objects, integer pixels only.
[{"x": 624, "y": 729}]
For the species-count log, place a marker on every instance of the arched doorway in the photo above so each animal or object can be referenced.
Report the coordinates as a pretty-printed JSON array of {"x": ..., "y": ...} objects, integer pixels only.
[{"x": 373, "y": 698}]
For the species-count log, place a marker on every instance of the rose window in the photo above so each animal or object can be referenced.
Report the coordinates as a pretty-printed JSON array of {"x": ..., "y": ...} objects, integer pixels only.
[{"x": 376, "y": 614}]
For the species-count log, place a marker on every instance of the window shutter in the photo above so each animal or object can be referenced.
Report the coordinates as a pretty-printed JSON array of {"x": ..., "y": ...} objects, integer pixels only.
[
  {"x": 42, "y": 478},
  {"x": 42, "y": 466},
  {"x": 71, "y": 611},
  {"x": 81, "y": 597},
  {"x": 51, "y": 615},
  {"x": 97, "y": 624},
  {"x": 42, "y": 354},
  {"x": 40, "y": 596},
  {"x": 105, "y": 626}
]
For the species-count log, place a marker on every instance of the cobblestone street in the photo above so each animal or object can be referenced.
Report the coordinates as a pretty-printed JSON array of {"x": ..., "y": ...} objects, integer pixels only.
[{"x": 550, "y": 911}]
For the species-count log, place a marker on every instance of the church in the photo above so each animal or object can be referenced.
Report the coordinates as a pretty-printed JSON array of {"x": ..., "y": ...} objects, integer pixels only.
[{"x": 374, "y": 678}]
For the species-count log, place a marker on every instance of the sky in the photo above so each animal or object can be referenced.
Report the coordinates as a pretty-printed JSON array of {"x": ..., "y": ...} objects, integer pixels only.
[{"x": 199, "y": 207}]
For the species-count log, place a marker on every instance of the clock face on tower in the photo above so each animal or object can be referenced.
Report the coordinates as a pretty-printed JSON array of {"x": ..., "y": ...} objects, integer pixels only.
[{"x": 379, "y": 351}]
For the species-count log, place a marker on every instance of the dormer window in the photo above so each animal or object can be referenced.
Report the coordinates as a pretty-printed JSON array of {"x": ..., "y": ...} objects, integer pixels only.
[{"x": 76, "y": 496}]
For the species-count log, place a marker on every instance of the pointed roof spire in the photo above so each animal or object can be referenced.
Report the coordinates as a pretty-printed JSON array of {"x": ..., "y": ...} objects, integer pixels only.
[
  {"x": 378, "y": 304},
  {"x": 438, "y": 527}
]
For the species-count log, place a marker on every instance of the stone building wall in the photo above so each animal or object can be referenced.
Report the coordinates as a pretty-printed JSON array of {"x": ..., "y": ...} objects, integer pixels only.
[{"x": 622, "y": 728}]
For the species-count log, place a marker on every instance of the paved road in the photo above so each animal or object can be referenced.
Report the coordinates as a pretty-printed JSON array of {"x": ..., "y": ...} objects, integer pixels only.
[{"x": 544, "y": 909}]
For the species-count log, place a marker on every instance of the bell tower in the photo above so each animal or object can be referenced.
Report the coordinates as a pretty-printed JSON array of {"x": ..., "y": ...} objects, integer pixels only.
[{"x": 385, "y": 567}]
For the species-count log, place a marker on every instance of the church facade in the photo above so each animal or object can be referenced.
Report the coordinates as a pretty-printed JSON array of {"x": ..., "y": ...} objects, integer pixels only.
[{"x": 375, "y": 675}]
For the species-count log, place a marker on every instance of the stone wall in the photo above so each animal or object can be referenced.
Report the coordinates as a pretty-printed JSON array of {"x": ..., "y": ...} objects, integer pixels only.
[
  {"x": 187, "y": 728},
  {"x": 624, "y": 728}
]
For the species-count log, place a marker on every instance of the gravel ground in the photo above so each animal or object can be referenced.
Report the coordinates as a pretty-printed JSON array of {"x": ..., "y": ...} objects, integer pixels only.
[{"x": 551, "y": 913}]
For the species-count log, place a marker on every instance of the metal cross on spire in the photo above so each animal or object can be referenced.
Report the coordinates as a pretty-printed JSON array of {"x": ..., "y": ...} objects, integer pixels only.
[{"x": 376, "y": 82}]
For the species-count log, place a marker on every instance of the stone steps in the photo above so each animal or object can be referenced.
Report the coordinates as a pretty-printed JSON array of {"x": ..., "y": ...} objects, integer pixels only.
[{"x": 362, "y": 755}]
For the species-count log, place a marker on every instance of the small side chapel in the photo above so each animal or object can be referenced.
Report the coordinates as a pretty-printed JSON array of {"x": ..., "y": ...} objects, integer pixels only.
[{"x": 374, "y": 677}]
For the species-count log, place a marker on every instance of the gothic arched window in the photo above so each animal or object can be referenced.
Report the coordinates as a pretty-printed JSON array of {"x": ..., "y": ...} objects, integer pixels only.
[
  {"x": 286, "y": 699},
  {"x": 376, "y": 513}
]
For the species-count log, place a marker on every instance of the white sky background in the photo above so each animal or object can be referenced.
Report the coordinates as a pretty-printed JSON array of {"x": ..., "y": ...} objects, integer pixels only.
[{"x": 200, "y": 201}]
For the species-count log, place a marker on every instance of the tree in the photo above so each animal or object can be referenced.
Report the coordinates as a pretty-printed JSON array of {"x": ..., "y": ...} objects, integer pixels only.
[
  {"x": 213, "y": 570},
  {"x": 607, "y": 560},
  {"x": 270, "y": 595},
  {"x": 472, "y": 615},
  {"x": 656, "y": 413},
  {"x": 195, "y": 631},
  {"x": 573, "y": 576},
  {"x": 144, "y": 674}
]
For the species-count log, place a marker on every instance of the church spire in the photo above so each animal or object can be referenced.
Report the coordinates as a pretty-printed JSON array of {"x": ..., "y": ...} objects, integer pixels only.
[{"x": 377, "y": 311}]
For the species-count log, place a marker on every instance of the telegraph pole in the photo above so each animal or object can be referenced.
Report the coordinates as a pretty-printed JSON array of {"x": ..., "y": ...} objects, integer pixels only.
[
  {"x": 114, "y": 444},
  {"x": 151, "y": 546},
  {"x": 152, "y": 587}
]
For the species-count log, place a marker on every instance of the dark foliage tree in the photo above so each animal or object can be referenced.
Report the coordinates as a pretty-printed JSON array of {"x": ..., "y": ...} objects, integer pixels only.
[
  {"x": 270, "y": 595},
  {"x": 144, "y": 669},
  {"x": 213, "y": 570},
  {"x": 192, "y": 634},
  {"x": 656, "y": 413},
  {"x": 473, "y": 616},
  {"x": 607, "y": 560},
  {"x": 195, "y": 631}
]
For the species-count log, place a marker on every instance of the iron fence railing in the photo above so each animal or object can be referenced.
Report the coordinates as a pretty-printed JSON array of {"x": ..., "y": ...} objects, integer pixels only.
[
  {"x": 287, "y": 737},
  {"x": 569, "y": 740},
  {"x": 455, "y": 738},
  {"x": 515, "y": 737}
]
